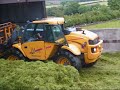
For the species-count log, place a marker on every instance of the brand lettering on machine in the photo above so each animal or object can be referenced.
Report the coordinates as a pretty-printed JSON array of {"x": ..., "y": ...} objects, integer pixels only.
[
  {"x": 48, "y": 47},
  {"x": 33, "y": 50}
]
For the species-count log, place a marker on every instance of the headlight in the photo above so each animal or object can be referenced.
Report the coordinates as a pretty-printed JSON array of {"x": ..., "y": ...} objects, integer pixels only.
[{"x": 93, "y": 50}]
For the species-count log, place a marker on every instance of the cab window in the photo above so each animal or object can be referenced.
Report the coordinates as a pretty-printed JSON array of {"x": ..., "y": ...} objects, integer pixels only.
[
  {"x": 34, "y": 32},
  {"x": 48, "y": 34},
  {"x": 39, "y": 31},
  {"x": 29, "y": 31},
  {"x": 57, "y": 32}
]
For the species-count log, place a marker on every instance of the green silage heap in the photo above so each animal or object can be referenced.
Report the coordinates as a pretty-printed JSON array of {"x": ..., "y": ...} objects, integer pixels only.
[{"x": 20, "y": 75}]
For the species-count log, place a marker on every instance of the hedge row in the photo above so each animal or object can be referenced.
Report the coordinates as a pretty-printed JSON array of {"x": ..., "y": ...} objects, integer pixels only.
[{"x": 90, "y": 17}]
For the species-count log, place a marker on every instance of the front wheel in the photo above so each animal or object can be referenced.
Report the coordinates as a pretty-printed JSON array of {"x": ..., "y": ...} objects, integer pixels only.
[
  {"x": 89, "y": 65},
  {"x": 67, "y": 58},
  {"x": 84, "y": 64}
]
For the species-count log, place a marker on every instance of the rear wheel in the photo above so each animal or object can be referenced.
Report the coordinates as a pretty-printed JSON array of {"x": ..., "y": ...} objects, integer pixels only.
[
  {"x": 67, "y": 58},
  {"x": 15, "y": 55},
  {"x": 12, "y": 57}
]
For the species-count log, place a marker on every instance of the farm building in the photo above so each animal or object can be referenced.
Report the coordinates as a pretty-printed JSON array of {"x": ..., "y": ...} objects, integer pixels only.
[{"x": 20, "y": 11}]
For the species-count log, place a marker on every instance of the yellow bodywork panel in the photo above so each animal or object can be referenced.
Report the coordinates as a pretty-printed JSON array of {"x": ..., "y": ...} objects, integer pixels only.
[
  {"x": 51, "y": 49},
  {"x": 52, "y": 20},
  {"x": 18, "y": 46},
  {"x": 98, "y": 50},
  {"x": 34, "y": 50},
  {"x": 37, "y": 50},
  {"x": 92, "y": 57},
  {"x": 72, "y": 48}
]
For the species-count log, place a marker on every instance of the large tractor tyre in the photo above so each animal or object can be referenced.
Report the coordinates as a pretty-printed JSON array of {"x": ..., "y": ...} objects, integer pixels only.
[
  {"x": 67, "y": 58},
  {"x": 15, "y": 55}
]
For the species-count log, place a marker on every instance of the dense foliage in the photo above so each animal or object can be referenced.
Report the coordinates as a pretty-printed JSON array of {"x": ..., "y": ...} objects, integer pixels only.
[
  {"x": 55, "y": 11},
  {"x": 91, "y": 17},
  {"x": 114, "y": 4},
  {"x": 71, "y": 8},
  {"x": 79, "y": 14}
]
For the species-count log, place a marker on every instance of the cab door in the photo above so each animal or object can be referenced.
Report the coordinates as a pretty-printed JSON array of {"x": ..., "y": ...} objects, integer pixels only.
[
  {"x": 52, "y": 35},
  {"x": 34, "y": 50},
  {"x": 34, "y": 46},
  {"x": 50, "y": 47}
]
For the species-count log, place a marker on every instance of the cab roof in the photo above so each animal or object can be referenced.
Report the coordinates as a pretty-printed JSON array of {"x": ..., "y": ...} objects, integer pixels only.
[{"x": 51, "y": 20}]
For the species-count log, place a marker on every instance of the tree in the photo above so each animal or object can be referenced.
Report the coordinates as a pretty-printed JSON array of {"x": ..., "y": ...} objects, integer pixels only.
[
  {"x": 55, "y": 11},
  {"x": 83, "y": 8},
  {"x": 71, "y": 8},
  {"x": 114, "y": 4}
]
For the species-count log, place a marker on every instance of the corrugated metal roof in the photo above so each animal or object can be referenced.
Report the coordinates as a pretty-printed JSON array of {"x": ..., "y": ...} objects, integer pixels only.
[{"x": 17, "y": 1}]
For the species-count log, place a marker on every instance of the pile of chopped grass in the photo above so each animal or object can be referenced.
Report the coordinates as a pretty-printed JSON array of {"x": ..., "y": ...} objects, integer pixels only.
[{"x": 37, "y": 75}]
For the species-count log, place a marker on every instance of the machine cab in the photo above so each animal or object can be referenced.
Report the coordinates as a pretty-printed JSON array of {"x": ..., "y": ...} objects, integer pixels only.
[
  {"x": 44, "y": 32},
  {"x": 42, "y": 38}
]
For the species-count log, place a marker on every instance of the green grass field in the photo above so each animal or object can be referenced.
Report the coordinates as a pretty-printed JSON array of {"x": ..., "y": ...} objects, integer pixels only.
[
  {"x": 20, "y": 75},
  {"x": 109, "y": 24}
]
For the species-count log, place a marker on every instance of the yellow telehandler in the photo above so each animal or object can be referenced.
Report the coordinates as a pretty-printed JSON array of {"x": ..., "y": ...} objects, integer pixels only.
[{"x": 44, "y": 40}]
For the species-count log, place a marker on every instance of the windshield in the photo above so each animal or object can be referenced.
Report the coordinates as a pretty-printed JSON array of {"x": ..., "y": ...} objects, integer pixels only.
[
  {"x": 54, "y": 34},
  {"x": 57, "y": 32}
]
